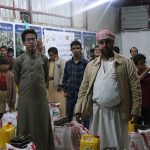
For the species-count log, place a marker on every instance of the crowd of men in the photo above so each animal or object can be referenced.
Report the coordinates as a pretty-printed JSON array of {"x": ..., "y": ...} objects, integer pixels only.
[{"x": 103, "y": 94}]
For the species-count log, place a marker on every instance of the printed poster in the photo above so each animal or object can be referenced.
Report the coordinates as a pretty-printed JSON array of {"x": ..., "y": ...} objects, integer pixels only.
[
  {"x": 89, "y": 42},
  {"x": 6, "y": 34},
  {"x": 59, "y": 39}
]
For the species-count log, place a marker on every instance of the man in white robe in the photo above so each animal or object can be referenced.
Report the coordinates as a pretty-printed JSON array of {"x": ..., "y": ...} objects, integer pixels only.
[{"x": 109, "y": 95}]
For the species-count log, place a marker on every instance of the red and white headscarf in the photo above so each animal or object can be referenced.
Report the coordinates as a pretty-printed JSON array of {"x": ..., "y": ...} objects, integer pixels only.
[{"x": 105, "y": 34}]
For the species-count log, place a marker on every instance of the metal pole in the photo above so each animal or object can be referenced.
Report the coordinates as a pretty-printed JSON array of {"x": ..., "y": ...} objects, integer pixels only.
[{"x": 30, "y": 10}]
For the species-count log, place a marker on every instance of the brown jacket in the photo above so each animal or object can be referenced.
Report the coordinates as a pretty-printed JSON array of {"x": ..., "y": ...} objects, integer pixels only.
[{"x": 129, "y": 85}]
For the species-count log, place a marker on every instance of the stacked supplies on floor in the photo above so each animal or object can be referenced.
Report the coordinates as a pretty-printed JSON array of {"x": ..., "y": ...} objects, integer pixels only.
[
  {"x": 139, "y": 136},
  {"x": 61, "y": 121},
  {"x": 67, "y": 136},
  {"x": 21, "y": 143},
  {"x": 144, "y": 130},
  {"x": 136, "y": 142}
]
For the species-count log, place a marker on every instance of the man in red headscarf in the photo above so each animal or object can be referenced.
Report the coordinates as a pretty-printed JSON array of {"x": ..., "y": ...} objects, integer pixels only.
[{"x": 109, "y": 95}]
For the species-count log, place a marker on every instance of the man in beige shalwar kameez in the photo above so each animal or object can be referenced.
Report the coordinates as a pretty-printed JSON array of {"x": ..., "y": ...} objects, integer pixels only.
[{"x": 56, "y": 74}]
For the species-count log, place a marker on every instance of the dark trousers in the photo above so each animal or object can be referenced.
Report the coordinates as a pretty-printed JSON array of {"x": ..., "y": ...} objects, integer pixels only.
[
  {"x": 145, "y": 116},
  {"x": 1, "y": 115},
  {"x": 70, "y": 104}
]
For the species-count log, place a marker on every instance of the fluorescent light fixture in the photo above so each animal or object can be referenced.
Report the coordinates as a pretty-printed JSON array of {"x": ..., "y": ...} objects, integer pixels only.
[
  {"x": 100, "y": 2},
  {"x": 95, "y": 4},
  {"x": 60, "y": 2}
]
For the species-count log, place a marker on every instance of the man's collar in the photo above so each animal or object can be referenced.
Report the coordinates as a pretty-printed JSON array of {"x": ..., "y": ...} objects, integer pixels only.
[
  {"x": 116, "y": 59},
  {"x": 34, "y": 55},
  {"x": 81, "y": 59}
]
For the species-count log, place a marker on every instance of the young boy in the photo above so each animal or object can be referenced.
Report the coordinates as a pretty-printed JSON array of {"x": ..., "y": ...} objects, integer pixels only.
[
  {"x": 3, "y": 52},
  {"x": 10, "y": 54},
  {"x": 7, "y": 87},
  {"x": 73, "y": 75},
  {"x": 144, "y": 75}
]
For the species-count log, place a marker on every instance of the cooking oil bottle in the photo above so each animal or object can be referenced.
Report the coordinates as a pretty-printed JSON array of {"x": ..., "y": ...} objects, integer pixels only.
[
  {"x": 6, "y": 133},
  {"x": 90, "y": 142}
]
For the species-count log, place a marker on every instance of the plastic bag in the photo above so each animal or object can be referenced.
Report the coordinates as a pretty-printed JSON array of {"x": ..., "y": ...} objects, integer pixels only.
[
  {"x": 10, "y": 118},
  {"x": 71, "y": 134},
  {"x": 54, "y": 110},
  {"x": 136, "y": 142},
  {"x": 146, "y": 136},
  {"x": 30, "y": 146}
]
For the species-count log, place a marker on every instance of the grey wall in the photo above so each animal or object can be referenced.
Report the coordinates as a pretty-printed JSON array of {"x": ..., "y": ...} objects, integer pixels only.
[
  {"x": 139, "y": 39},
  {"x": 103, "y": 17},
  {"x": 93, "y": 20}
]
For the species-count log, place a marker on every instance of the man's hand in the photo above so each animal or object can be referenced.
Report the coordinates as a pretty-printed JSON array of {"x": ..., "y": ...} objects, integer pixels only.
[
  {"x": 59, "y": 88},
  {"x": 78, "y": 118},
  {"x": 134, "y": 118},
  {"x": 146, "y": 68},
  {"x": 11, "y": 110},
  {"x": 66, "y": 94}
]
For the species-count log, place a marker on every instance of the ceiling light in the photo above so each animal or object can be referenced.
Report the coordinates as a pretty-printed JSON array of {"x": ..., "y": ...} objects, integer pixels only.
[
  {"x": 60, "y": 2},
  {"x": 95, "y": 4}
]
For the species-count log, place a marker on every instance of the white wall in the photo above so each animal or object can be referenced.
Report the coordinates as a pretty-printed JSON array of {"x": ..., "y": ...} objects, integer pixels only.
[{"x": 103, "y": 17}]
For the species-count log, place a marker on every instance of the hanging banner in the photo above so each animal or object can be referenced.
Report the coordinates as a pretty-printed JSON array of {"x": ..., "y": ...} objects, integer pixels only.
[
  {"x": 6, "y": 34},
  {"x": 19, "y": 28},
  {"x": 89, "y": 42},
  {"x": 60, "y": 40}
]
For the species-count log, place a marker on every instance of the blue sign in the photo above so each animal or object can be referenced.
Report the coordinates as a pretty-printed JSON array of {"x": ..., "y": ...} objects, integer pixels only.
[
  {"x": 19, "y": 28},
  {"x": 38, "y": 30},
  {"x": 6, "y": 27},
  {"x": 89, "y": 34}
]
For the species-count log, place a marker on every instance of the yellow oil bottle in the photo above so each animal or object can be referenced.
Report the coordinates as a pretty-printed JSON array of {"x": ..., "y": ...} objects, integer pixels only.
[
  {"x": 6, "y": 133},
  {"x": 89, "y": 142}
]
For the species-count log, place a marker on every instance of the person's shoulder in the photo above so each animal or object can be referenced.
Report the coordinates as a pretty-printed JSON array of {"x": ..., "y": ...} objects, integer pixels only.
[
  {"x": 84, "y": 60},
  {"x": 61, "y": 59},
  {"x": 124, "y": 58},
  {"x": 19, "y": 58},
  {"x": 44, "y": 56},
  {"x": 69, "y": 61},
  {"x": 127, "y": 60},
  {"x": 93, "y": 62},
  {"x": 10, "y": 74}
]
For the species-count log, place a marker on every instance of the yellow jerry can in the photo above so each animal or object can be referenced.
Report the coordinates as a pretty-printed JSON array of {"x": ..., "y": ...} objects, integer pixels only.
[
  {"x": 6, "y": 133},
  {"x": 131, "y": 126},
  {"x": 90, "y": 142}
]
